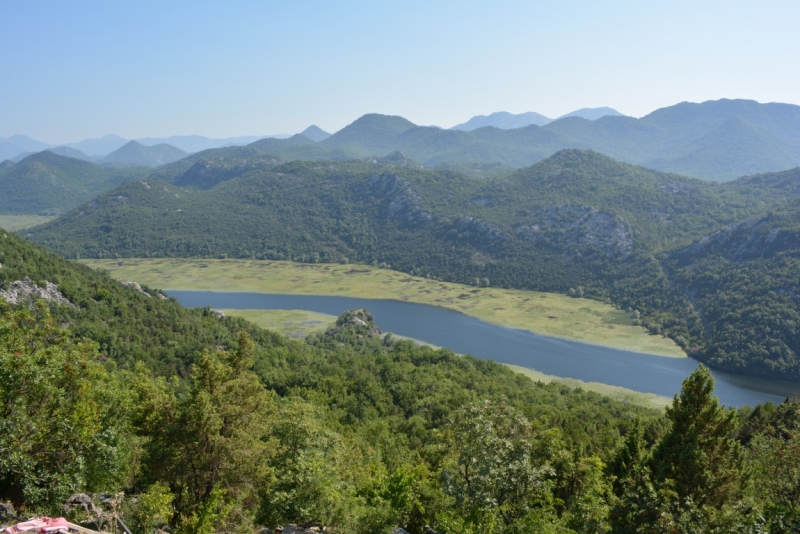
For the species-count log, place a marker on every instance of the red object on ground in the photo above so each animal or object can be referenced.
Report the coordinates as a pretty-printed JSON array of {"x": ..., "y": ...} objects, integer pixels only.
[{"x": 40, "y": 524}]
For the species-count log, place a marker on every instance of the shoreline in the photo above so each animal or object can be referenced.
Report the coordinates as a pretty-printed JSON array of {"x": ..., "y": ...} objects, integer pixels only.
[
  {"x": 547, "y": 314},
  {"x": 296, "y": 324}
]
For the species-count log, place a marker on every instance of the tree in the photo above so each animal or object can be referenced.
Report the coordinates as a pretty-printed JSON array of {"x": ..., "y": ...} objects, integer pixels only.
[
  {"x": 498, "y": 474},
  {"x": 63, "y": 417},
  {"x": 776, "y": 462},
  {"x": 697, "y": 457},
  {"x": 209, "y": 444}
]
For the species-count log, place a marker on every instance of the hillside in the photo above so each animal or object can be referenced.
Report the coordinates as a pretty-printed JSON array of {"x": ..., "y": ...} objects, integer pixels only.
[
  {"x": 137, "y": 154},
  {"x": 351, "y": 399},
  {"x": 744, "y": 281},
  {"x": 576, "y": 222},
  {"x": 46, "y": 183}
]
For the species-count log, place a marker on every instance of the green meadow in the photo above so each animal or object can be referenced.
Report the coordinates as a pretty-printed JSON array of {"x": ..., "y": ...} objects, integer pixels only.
[
  {"x": 548, "y": 314},
  {"x": 13, "y": 223}
]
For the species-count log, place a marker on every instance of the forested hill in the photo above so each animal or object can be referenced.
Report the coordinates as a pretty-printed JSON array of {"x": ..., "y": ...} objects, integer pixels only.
[
  {"x": 47, "y": 184},
  {"x": 577, "y": 222},
  {"x": 716, "y": 140},
  {"x": 350, "y": 429}
]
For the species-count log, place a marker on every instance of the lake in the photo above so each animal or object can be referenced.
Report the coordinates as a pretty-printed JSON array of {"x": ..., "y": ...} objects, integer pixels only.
[{"x": 553, "y": 356}]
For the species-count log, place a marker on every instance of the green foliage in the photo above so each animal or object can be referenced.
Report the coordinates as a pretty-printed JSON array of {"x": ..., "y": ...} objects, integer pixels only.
[
  {"x": 128, "y": 326},
  {"x": 210, "y": 441},
  {"x": 499, "y": 472},
  {"x": 776, "y": 464},
  {"x": 154, "y": 508},
  {"x": 63, "y": 415},
  {"x": 358, "y": 432},
  {"x": 697, "y": 457}
]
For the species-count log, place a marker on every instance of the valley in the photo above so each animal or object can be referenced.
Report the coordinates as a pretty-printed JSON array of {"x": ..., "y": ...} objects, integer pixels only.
[
  {"x": 497, "y": 268},
  {"x": 548, "y": 314}
]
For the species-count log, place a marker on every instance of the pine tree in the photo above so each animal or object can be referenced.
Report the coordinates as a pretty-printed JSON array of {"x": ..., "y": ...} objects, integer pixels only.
[{"x": 697, "y": 458}]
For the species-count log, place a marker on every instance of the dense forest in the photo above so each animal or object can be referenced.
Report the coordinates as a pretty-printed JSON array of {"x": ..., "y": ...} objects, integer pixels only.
[
  {"x": 195, "y": 422},
  {"x": 577, "y": 223}
]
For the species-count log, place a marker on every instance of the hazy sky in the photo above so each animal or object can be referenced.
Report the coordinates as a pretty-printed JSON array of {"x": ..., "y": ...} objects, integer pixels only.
[{"x": 79, "y": 69}]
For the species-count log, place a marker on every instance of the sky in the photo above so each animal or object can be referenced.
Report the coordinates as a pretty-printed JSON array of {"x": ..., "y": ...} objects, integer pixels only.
[{"x": 78, "y": 69}]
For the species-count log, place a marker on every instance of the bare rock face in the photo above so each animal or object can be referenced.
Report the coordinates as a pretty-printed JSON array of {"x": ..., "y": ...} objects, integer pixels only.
[
  {"x": 576, "y": 229},
  {"x": 400, "y": 201},
  {"x": 25, "y": 290}
]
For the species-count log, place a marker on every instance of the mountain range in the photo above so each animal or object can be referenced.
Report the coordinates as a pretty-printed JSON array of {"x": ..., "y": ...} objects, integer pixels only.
[
  {"x": 509, "y": 121},
  {"x": 577, "y": 222},
  {"x": 17, "y": 147},
  {"x": 716, "y": 140}
]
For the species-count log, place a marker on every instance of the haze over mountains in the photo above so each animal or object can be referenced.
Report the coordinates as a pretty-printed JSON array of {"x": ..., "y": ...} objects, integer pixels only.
[
  {"x": 508, "y": 121},
  {"x": 17, "y": 147},
  {"x": 716, "y": 140}
]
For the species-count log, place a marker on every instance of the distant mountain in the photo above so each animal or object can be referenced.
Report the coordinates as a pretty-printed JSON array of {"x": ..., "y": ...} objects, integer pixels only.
[
  {"x": 593, "y": 114},
  {"x": 134, "y": 153},
  {"x": 503, "y": 120},
  {"x": 45, "y": 183},
  {"x": 26, "y": 143},
  {"x": 70, "y": 153},
  {"x": 100, "y": 146},
  {"x": 667, "y": 139},
  {"x": 6, "y": 163},
  {"x": 196, "y": 143},
  {"x": 12, "y": 147},
  {"x": 509, "y": 121},
  {"x": 735, "y": 148},
  {"x": 697, "y": 120},
  {"x": 315, "y": 133},
  {"x": 371, "y": 133},
  {"x": 60, "y": 150}
]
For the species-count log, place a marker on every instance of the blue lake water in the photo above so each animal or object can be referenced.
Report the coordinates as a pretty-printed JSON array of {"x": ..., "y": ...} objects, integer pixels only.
[{"x": 467, "y": 335}]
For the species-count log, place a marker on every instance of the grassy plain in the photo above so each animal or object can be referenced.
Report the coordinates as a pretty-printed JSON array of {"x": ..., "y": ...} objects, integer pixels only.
[
  {"x": 12, "y": 223},
  {"x": 298, "y": 324},
  {"x": 295, "y": 324},
  {"x": 548, "y": 314}
]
